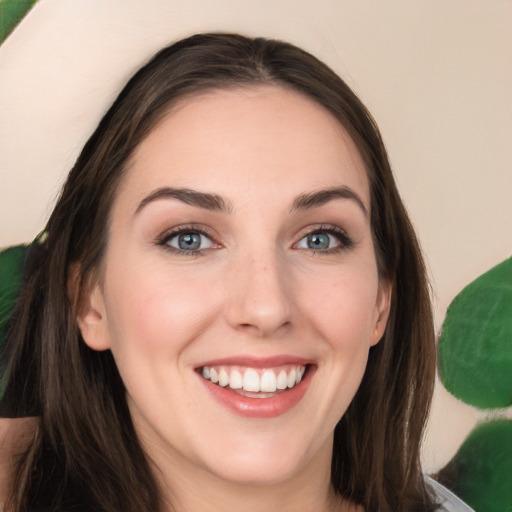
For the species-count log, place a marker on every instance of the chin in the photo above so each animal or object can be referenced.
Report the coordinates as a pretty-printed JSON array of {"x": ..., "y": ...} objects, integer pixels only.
[
  {"x": 258, "y": 471},
  {"x": 264, "y": 461}
]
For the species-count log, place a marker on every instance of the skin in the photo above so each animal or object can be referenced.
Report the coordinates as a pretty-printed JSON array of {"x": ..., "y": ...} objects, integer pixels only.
[
  {"x": 15, "y": 435},
  {"x": 255, "y": 288}
]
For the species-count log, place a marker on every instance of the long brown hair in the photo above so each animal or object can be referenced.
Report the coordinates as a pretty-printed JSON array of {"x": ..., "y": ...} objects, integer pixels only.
[{"x": 85, "y": 450}]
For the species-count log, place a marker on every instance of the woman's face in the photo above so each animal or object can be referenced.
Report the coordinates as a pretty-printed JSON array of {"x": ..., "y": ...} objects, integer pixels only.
[{"x": 239, "y": 293}]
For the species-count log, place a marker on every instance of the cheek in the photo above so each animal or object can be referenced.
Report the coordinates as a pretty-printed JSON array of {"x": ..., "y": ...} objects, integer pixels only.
[
  {"x": 343, "y": 308},
  {"x": 157, "y": 309},
  {"x": 341, "y": 312}
]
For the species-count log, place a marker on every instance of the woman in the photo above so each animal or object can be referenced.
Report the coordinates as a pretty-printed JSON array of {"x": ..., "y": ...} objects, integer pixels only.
[{"x": 228, "y": 307}]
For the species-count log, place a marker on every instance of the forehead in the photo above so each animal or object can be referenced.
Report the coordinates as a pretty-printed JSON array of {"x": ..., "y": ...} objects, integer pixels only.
[{"x": 262, "y": 141}]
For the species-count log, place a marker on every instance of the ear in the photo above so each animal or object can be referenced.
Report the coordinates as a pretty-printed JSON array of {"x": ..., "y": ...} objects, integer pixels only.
[
  {"x": 91, "y": 314},
  {"x": 382, "y": 308}
]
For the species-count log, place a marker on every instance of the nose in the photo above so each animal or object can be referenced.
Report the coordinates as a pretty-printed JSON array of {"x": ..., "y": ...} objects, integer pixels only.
[{"x": 260, "y": 296}]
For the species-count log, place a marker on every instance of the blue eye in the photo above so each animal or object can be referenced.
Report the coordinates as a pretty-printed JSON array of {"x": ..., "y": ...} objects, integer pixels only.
[
  {"x": 189, "y": 241},
  {"x": 318, "y": 241},
  {"x": 325, "y": 240}
]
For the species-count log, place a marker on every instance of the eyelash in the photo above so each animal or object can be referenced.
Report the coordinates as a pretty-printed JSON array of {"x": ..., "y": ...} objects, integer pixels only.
[
  {"x": 164, "y": 239},
  {"x": 345, "y": 241}
]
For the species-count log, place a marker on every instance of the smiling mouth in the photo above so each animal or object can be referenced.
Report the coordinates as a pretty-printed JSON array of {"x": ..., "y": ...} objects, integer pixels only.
[{"x": 255, "y": 382}]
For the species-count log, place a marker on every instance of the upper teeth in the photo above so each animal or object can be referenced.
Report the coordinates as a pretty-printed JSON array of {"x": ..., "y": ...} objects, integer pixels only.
[{"x": 255, "y": 380}]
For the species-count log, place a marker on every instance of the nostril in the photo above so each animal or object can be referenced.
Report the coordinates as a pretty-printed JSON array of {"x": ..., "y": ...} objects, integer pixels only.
[
  {"x": 258, "y": 298},
  {"x": 264, "y": 329}
]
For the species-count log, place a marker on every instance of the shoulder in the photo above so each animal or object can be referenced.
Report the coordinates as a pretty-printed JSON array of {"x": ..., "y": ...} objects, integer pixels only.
[
  {"x": 448, "y": 502},
  {"x": 15, "y": 433}
]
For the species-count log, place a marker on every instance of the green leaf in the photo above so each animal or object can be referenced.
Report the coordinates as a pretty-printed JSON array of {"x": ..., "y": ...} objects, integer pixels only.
[
  {"x": 11, "y": 13},
  {"x": 482, "y": 468},
  {"x": 475, "y": 348},
  {"x": 12, "y": 261}
]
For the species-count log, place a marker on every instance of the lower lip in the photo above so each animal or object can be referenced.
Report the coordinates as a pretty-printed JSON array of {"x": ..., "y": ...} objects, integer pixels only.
[{"x": 260, "y": 407}]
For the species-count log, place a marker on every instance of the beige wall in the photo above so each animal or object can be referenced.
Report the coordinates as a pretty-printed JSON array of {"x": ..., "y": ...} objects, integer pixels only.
[{"x": 436, "y": 74}]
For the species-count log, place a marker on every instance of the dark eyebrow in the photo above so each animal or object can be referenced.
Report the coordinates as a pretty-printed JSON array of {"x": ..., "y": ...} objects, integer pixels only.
[
  {"x": 204, "y": 200},
  {"x": 321, "y": 197}
]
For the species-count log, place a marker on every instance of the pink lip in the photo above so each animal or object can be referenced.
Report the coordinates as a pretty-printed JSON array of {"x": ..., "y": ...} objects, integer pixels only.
[
  {"x": 257, "y": 362},
  {"x": 259, "y": 407}
]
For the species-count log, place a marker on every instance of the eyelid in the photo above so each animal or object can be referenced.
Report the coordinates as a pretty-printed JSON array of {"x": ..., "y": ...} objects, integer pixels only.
[
  {"x": 168, "y": 234},
  {"x": 346, "y": 242}
]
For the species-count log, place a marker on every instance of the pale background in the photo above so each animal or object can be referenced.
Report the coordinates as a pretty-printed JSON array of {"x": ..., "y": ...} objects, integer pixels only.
[{"x": 436, "y": 74}]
